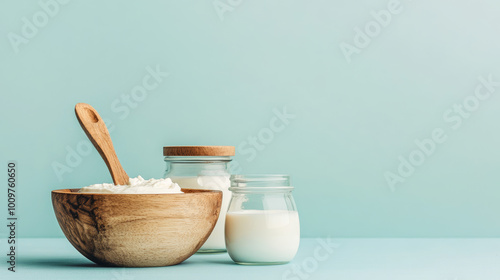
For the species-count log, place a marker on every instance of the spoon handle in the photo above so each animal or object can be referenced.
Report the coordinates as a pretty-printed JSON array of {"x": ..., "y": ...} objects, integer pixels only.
[{"x": 98, "y": 134}]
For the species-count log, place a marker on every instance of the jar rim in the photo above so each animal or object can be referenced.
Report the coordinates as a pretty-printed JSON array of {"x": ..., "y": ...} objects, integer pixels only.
[
  {"x": 261, "y": 189},
  {"x": 259, "y": 177},
  {"x": 197, "y": 159},
  {"x": 260, "y": 183}
]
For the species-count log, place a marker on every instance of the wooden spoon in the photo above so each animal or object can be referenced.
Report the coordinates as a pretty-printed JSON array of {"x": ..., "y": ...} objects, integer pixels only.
[{"x": 98, "y": 134}]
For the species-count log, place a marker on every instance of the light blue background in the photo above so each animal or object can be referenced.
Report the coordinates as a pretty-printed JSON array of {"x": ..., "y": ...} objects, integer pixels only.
[{"x": 352, "y": 120}]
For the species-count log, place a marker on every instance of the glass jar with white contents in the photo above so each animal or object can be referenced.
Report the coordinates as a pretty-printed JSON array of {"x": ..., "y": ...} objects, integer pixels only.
[
  {"x": 262, "y": 222},
  {"x": 203, "y": 167}
]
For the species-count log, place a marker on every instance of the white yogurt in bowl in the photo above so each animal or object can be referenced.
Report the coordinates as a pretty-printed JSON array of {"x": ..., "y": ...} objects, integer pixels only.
[{"x": 137, "y": 185}]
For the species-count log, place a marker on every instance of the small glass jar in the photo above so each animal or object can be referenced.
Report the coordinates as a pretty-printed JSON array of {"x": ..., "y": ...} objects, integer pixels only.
[
  {"x": 203, "y": 167},
  {"x": 262, "y": 222}
]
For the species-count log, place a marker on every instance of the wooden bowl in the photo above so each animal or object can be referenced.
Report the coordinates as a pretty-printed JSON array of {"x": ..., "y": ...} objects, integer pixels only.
[{"x": 137, "y": 230}]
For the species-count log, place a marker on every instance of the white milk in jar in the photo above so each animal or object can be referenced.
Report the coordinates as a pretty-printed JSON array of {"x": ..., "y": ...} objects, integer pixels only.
[
  {"x": 262, "y": 236},
  {"x": 262, "y": 222}
]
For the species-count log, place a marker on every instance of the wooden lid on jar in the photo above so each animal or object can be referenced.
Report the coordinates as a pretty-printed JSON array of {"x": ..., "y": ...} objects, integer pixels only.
[{"x": 209, "y": 151}]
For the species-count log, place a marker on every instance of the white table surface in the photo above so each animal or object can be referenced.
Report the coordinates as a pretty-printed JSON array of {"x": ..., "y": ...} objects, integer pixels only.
[{"x": 339, "y": 259}]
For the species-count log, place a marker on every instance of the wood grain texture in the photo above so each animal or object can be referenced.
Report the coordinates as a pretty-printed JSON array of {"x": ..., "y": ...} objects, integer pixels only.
[
  {"x": 98, "y": 134},
  {"x": 218, "y": 151},
  {"x": 137, "y": 230}
]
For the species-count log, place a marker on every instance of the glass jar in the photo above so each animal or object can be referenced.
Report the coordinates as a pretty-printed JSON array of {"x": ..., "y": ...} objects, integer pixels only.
[
  {"x": 262, "y": 222},
  {"x": 203, "y": 167}
]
